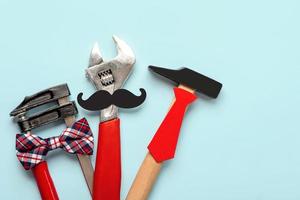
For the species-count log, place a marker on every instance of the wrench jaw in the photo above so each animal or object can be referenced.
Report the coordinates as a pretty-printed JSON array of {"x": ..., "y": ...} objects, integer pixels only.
[
  {"x": 124, "y": 62},
  {"x": 110, "y": 75},
  {"x": 95, "y": 57}
]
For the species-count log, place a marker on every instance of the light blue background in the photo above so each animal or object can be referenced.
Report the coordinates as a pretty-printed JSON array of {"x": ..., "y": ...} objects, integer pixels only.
[{"x": 242, "y": 146}]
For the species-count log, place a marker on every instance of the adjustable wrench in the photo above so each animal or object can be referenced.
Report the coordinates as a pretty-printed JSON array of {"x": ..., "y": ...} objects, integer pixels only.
[{"x": 109, "y": 76}]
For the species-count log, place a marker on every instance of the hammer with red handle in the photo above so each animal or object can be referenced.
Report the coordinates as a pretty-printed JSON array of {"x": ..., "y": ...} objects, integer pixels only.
[
  {"x": 163, "y": 144},
  {"x": 27, "y": 121},
  {"x": 33, "y": 113}
]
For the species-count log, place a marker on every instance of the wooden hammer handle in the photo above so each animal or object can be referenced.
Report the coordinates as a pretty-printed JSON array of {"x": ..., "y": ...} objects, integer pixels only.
[{"x": 144, "y": 179}]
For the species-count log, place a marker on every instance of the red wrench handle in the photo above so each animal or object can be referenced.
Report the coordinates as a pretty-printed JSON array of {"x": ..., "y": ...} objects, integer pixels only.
[
  {"x": 107, "y": 176},
  {"x": 44, "y": 181}
]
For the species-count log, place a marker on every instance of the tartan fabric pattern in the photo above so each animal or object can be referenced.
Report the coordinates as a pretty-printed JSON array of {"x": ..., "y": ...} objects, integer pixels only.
[{"x": 32, "y": 149}]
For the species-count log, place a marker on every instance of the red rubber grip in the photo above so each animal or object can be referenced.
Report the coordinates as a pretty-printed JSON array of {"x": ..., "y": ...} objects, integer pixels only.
[
  {"x": 44, "y": 181},
  {"x": 107, "y": 176}
]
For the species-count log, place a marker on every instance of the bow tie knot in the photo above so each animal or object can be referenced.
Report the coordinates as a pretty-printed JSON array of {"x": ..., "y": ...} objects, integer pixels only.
[
  {"x": 53, "y": 143},
  {"x": 32, "y": 149}
]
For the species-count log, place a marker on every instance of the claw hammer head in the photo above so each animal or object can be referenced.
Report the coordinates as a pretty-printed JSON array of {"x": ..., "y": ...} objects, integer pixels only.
[{"x": 110, "y": 75}]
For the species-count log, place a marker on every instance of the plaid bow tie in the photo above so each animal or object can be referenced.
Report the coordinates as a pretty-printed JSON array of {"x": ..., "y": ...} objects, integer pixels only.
[{"x": 32, "y": 149}]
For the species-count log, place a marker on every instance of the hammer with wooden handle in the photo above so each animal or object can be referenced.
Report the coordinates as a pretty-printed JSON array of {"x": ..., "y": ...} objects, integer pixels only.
[{"x": 163, "y": 144}]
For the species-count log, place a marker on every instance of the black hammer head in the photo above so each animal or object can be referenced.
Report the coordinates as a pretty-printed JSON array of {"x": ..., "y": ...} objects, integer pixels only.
[
  {"x": 28, "y": 121},
  {"x": 192, "y": 79}
]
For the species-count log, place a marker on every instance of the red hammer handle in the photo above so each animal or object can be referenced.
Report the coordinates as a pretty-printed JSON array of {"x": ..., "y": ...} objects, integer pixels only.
[
  {"x": 44, "y": 181},
  {"x": 107, "y": 176}
]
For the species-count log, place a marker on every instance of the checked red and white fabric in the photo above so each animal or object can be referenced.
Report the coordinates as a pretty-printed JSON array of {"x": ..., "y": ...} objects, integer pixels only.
[{"x": 77, "y": 139}]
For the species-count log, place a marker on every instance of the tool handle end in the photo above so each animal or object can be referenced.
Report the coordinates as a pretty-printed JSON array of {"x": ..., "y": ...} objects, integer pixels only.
[
  {"x": 44, "y": 181},
  {"x": 144, "y": 180}
]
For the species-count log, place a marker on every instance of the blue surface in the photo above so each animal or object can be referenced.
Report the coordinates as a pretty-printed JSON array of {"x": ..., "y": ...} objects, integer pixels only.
[{"x": 244, "y": 145}]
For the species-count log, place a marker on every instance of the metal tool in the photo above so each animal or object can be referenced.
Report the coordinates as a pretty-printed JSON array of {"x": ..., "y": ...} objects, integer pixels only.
[
  {"x": 62, "y": 110},
  {"x": 163, "y": 145},
  {"x": 109, "y": 76}
]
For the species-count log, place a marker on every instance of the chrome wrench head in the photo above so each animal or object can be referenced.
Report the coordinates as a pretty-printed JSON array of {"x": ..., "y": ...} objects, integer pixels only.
[{"x": 110, "y": 75}]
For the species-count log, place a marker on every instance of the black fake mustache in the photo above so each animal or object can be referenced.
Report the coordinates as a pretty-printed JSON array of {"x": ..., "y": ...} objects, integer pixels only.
[{"x": 102, "y": 99}]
